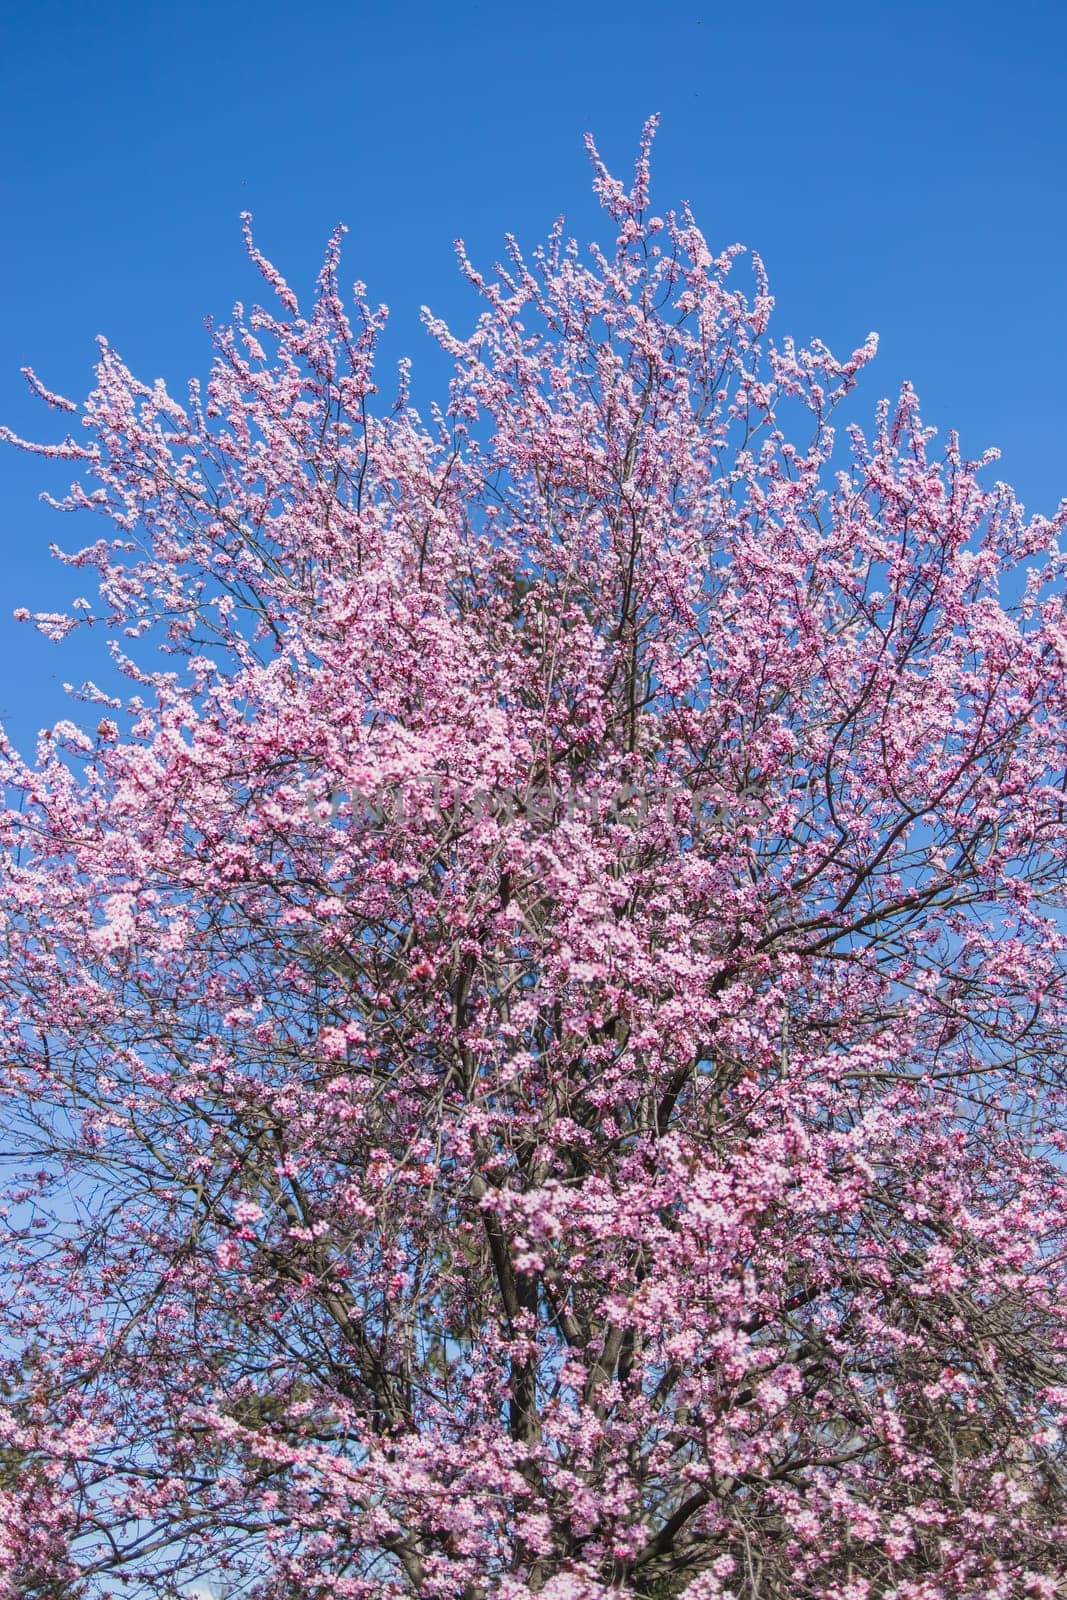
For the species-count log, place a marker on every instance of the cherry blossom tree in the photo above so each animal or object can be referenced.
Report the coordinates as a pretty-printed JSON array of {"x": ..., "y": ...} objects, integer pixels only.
[{"x": 534, "y": 1017}]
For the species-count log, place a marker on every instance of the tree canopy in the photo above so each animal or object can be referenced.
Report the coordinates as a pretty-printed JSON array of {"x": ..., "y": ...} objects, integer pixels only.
[{"x": 533, "y": 1026}]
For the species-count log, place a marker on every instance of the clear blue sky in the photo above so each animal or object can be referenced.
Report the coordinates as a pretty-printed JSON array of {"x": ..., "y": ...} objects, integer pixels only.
[{"x": 900, "y": 167}]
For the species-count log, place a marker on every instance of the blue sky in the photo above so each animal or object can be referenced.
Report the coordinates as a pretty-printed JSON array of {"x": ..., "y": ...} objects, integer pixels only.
[{"x": 900, "y": 167}]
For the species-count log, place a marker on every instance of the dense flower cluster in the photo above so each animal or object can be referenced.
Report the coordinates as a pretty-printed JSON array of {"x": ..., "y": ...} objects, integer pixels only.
[{"x": 465, "y": 1200}]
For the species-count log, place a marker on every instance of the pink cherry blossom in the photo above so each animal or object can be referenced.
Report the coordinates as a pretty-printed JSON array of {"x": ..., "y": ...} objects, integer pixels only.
[{"x": 534, "y": 1027}]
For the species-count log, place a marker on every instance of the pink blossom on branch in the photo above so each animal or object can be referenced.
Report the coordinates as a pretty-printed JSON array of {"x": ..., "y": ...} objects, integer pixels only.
[{"x": 535, "y": 1033}]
